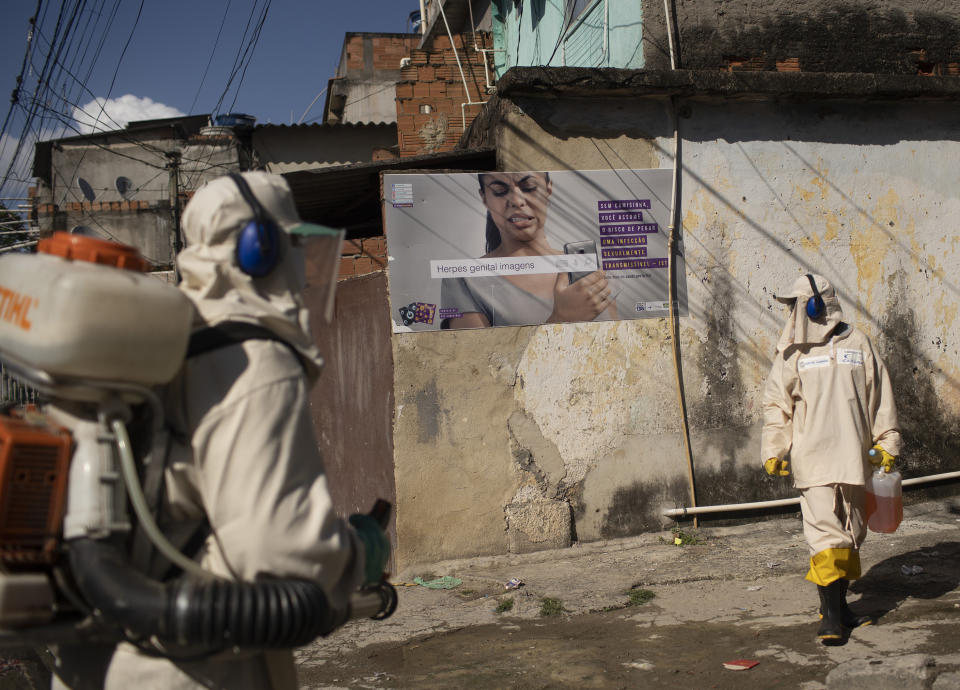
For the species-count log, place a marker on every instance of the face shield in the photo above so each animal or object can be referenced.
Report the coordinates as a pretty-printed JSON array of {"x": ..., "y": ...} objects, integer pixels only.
[{"x": 317, "y": 262}]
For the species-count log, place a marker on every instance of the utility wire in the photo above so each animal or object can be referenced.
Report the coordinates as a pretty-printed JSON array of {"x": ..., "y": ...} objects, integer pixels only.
[
  {"x": 241, "y": 63},
  {"x": 223, "y": 21},
  {"x": 123, "y": 52},
  {"x": 238, "y": 61},
  {"x": 81, "y": 25},
  {"x": 245, "y": 54},
  {"x": 15, "y": 96},
  {"x": 252, "y": 50},
  {"x": 40, "y": 81}
]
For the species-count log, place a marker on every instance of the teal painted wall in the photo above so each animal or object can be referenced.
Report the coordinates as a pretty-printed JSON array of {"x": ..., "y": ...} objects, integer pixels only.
[{"x": 531, "y": 33}]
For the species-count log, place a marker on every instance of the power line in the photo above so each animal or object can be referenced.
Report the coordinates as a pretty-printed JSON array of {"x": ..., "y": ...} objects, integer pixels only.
[
  {"x": 113, "y": 79},
  {"x": 40, "y": 81},
  {"x": 252, "y": 48},
  {"x": 15, "y": 96},
  {"x": 210, "y": 59},
  {"x": 244, "y": 51},
  {"x": 79, "y": 36}
]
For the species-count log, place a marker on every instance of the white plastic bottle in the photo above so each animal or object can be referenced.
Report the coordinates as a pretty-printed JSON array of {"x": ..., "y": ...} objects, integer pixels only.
[{"x": 884, "y": 500}]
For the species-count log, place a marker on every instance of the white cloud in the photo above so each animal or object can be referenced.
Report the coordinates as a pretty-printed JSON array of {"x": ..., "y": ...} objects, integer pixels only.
[{"x": 100, "y": 114}]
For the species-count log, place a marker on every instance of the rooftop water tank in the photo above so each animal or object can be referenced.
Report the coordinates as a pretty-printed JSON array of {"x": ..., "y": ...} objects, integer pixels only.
[{"x": 236, "y": 120}]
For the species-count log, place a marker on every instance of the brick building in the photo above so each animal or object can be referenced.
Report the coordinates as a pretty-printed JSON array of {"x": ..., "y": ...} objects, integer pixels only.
[{"x": 441, "y": 91}]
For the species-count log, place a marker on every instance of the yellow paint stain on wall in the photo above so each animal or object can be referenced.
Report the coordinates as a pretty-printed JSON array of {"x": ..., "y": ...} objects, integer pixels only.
[
  {"x": 810, "y": 243},
  {"x": 871, "y": 239},
  {"x": 832, "y": 223},
  {"x": 948, "y": 393},
  {"x": 699, "y": 208},
  {"x": 820, "y": 181},
  {"x": 946, "y": 311},
  {"x": 692, "y": 220},
  {"x": 804, "y": 194}
]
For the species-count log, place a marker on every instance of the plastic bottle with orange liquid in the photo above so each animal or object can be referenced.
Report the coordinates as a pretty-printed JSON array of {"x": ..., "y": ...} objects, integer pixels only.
[{"x": 884, "y": 500}]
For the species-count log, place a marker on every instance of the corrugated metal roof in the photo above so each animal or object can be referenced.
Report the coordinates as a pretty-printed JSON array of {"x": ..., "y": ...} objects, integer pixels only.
[
  {"x": 326, "y": 125},
  {"x": 349, "y": 196}
]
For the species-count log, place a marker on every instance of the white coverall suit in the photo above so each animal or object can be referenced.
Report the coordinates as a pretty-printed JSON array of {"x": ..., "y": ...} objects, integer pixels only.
[
  {"x": 248, "y": 459},
  {"x": 826, "y": 402}
]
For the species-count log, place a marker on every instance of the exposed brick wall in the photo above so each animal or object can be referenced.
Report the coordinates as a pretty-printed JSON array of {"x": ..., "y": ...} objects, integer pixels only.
[
  {"x": 387, "y": 50},
  {"x": 839, "y": 37},
  {"x": 433, "y": 79},
  {"x": 353, "y": 54},
  {"x": 88, "y": 206},
  {"x": 363, "y": 256}
]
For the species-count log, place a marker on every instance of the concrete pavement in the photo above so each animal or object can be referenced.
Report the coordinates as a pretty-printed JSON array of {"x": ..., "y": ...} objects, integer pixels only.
[{"x": 744, "y": 576}]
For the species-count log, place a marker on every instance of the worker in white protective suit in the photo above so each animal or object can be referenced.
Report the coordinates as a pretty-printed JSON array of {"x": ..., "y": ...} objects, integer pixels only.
[
  {"x": 826, "y": 402},
  {"x": 244, "y": 458}
]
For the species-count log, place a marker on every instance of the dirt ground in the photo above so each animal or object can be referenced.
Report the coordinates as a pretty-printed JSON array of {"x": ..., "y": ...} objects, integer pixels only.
[
  {"x": 737, "y": 594},
  {"x": 604, "y": 650},
  {"x": 614, "y": 650}
]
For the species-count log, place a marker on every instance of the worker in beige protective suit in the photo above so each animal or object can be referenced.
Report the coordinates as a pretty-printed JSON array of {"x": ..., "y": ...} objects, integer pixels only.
[
  {"x": 826, "y": 402},
  {"x": 244, "y": 458}
]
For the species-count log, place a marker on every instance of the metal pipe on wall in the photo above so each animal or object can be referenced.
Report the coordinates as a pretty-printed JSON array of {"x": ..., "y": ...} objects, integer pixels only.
[
  {"x": 466, "y": 89},
  {"x": 778, "y": 503}
]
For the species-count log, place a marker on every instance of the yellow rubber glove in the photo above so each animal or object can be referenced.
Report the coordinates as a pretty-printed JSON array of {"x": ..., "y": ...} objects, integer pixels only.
[
  {"x": 776, "y": 467},
  {"x": 881, "y": 458}
]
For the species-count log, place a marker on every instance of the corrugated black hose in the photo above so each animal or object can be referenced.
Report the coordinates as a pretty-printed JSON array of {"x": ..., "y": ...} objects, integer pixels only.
[{"x": 210, "y": 614}]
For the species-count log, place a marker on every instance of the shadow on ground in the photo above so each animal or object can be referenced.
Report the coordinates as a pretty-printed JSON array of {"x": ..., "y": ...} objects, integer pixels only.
[{"x": 927, "y": 573}]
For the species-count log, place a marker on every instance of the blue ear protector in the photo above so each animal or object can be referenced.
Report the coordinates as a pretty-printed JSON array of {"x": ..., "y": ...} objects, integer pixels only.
[
  {"x": 815, "y": 306},
  {"x": 258, "y": 244}
]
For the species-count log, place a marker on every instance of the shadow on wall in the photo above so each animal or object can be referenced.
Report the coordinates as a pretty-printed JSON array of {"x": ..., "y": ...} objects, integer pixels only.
[
  {"x": 931, "y": 435},
  {"x": 723, "y": 405},
  {"x": 854, "y": 38},
  {"x": 639, "y": 507}
]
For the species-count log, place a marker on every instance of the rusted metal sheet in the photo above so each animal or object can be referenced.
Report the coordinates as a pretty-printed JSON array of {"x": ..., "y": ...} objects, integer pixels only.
[{"x": 352, "y": 402}]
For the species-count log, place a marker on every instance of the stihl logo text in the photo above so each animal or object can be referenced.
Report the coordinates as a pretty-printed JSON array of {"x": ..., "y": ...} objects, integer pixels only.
[{"x": 15, "y": 308}]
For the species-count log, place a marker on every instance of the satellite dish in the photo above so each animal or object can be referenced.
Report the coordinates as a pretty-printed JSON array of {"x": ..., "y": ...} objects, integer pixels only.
[
  {"x": 87, "y": 190},
  {"x": 82, "y": 230},
  {"x": 125, "y": 187}
]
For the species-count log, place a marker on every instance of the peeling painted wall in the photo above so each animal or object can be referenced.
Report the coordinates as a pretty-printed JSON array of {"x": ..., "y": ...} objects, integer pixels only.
[{"x": 517, "y": 439}]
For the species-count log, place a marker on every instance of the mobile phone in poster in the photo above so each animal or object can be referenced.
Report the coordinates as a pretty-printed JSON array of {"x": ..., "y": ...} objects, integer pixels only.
[{"x": 585, "y": 247}]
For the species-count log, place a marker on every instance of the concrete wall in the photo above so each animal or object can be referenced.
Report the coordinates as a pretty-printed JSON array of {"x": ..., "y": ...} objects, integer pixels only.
[
  {"x": 512, "y": 439},
  {"x": 144, "y": 216},
  {"x": 810, "y": 35},
  {"x": 884, "y": 36}
]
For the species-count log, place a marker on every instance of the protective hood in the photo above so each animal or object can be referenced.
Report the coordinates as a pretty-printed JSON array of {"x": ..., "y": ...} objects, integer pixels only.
[
  {"x": 213, "y": 281},
  {"x": 800, "y": 328}
]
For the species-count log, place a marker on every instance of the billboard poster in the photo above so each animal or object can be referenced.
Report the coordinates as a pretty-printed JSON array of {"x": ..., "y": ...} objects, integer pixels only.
[{"x": 474, "y": 250}]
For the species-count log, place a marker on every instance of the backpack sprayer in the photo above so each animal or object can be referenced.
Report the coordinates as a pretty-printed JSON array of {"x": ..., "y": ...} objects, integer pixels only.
[{"x": 80, "y": 322}]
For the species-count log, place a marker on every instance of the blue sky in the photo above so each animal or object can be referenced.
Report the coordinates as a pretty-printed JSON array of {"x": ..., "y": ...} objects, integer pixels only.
[{"x": 163, "y": 71}]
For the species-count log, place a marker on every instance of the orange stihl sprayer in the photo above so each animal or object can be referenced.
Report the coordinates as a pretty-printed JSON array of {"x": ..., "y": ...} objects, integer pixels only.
[{"x": 81, "y": 323}]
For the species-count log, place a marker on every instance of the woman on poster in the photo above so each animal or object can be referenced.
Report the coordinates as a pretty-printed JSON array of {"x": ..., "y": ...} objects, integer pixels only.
[{"x": 517, "y": 206}]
